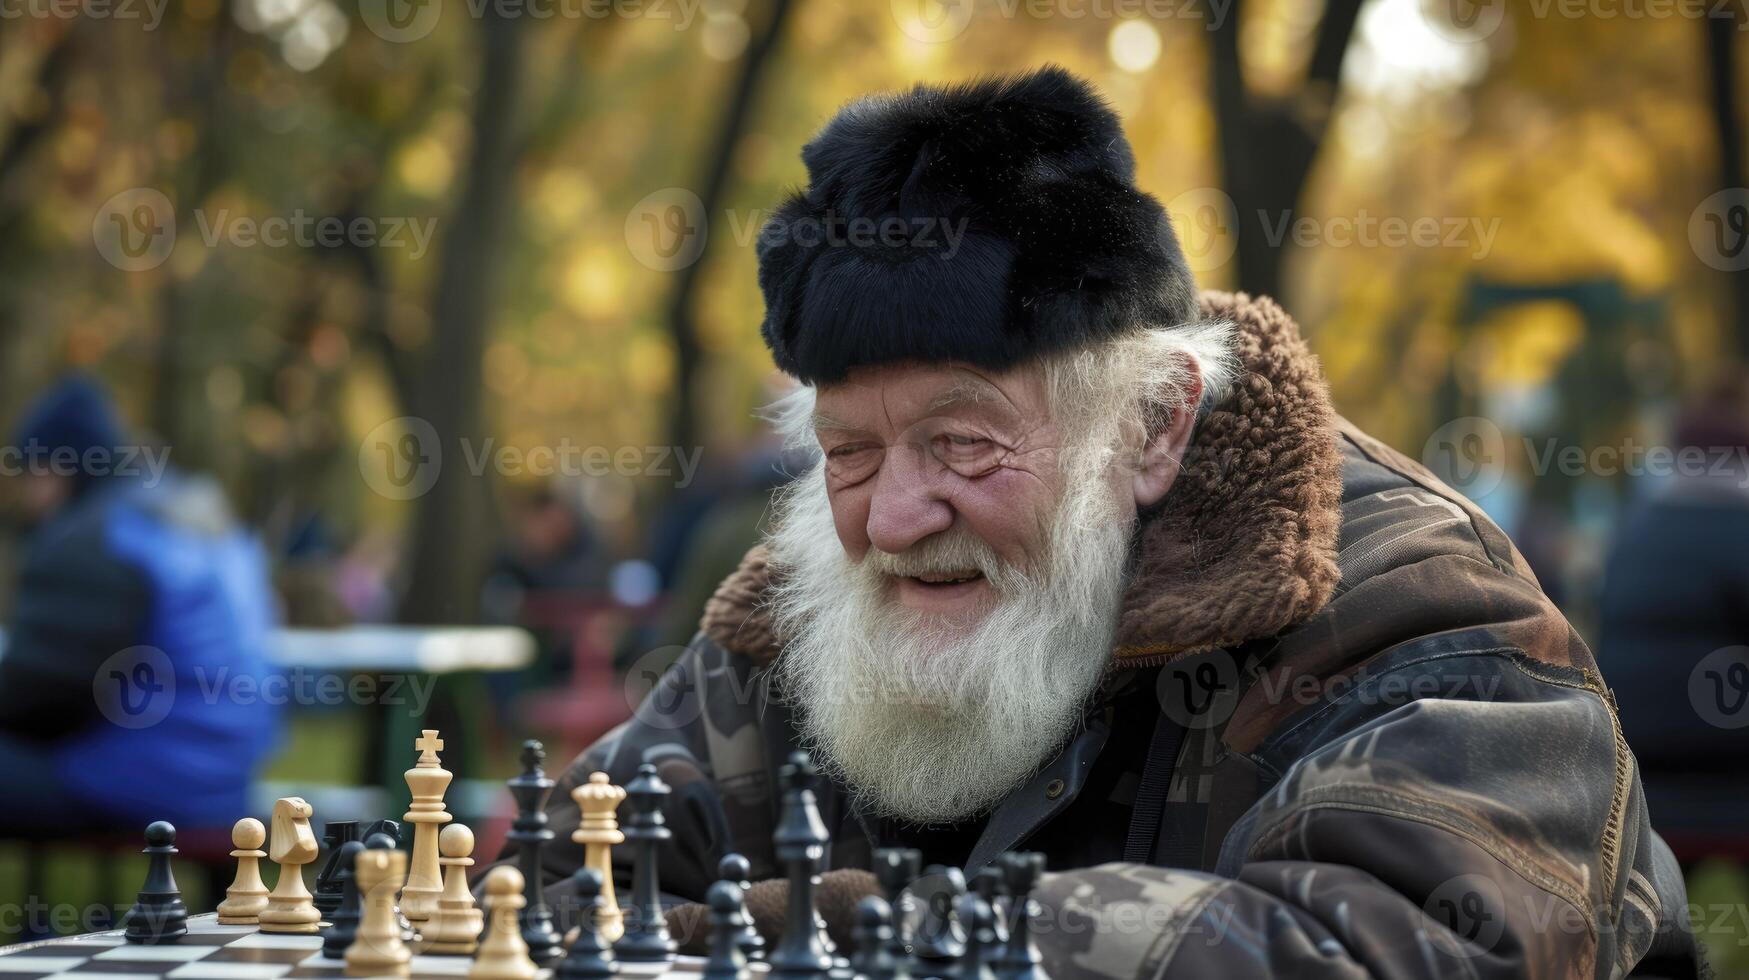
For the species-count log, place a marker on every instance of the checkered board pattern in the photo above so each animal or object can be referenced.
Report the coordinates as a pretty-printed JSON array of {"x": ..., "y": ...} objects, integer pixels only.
[{"x": 214, "y": 952}]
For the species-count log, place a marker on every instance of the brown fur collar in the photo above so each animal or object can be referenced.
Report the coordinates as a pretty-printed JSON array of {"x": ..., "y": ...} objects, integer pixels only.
[{"x": 1243, "y": 547}]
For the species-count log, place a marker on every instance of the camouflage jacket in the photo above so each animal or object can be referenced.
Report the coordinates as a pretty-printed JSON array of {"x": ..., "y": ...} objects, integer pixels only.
[{"x": 1343, "y": 733}]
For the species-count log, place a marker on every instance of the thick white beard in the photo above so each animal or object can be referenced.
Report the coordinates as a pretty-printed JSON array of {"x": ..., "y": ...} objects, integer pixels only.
[{"x": 926, "y": 721}]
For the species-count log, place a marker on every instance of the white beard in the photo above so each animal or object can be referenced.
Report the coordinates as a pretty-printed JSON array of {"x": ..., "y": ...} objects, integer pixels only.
[{"x": 929, "y": 721}]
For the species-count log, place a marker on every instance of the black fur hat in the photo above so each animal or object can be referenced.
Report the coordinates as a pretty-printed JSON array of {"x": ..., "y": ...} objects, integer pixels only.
[{"x": 989, "y": 223}]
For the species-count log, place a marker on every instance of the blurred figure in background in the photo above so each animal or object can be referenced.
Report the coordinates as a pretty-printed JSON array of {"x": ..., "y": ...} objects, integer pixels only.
[
  {"x": 1674, "y": 624},
  {"x": 131, "y": 678}
]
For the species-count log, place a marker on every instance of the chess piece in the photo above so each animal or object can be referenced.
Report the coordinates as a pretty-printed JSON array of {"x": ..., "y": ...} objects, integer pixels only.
[
  {"x": 158, "y": 916},
  {"x": 937, "y": 942},
  {"x": 988, "y": 884},
  {"x": 735, "y": 868},
  {"x": 334, "y": 834},
  {"x": 427, "y": 780},
  {"x": 455, "y": 928},
  {"x": 247, "y": 895},
  {"x": 378, "y": 950},
  {"x": 646, "y": 938},
  {"x": 874, "y": 959},
  {"x": 343, "y": 921},
  {"x": 385, "y": 827},
  {"x": 895, "y": 868},
  {"x": 591, "y": 955},
  {"x": 290, "y": 906},
  {"x": 1019, "y": 960},
  {"x": 598, "y": 830},
  {"x": 503, "y": 955},
  {"x": 800, "y": 839},
  {"x": 389, "y": 840},
  {"x": 530, "y": 832},
  {"x": 727, "y": 909},
  {"x": 980, "y": 925}
]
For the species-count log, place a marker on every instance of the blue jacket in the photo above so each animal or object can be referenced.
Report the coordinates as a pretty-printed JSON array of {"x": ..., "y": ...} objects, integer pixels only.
[{"x": 138, "y": 652}]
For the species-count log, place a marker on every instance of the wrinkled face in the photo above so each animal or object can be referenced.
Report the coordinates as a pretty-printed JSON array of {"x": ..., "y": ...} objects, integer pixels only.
[
  {"x": 939, "y": 476},
  {"x": 951, "y": 586}
]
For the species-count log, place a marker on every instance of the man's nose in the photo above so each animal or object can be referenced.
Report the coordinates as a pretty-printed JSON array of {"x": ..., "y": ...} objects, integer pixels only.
[{"x": 907, "y": 505}]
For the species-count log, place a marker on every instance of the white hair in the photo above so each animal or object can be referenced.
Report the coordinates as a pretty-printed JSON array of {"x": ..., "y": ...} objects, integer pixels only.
[{"x": 932, "y": 724}]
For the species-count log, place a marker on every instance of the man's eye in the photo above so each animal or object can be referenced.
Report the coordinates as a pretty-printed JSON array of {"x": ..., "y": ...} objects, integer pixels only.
[{"x": 842, "y": 452}]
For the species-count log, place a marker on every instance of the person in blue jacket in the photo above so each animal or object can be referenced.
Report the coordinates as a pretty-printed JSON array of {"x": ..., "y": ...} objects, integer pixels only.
[{"x": 133, "y": 673}]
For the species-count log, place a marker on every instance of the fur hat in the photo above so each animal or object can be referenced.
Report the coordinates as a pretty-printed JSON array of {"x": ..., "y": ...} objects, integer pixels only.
[{"x": 988, "y": 223}]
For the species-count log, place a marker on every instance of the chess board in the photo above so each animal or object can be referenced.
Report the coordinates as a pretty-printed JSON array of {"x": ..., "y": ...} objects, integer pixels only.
[{"x": 214, "y": 952}]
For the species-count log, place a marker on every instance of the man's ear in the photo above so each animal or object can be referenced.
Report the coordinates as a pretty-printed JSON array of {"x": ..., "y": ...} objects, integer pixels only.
[{"x": 1163, "y": 454}]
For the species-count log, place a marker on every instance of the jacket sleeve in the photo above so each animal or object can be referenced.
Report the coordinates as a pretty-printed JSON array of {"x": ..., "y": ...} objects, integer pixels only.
[
  {"x": 1458, "y": 812},
  {"x": 76, "y": 606}
]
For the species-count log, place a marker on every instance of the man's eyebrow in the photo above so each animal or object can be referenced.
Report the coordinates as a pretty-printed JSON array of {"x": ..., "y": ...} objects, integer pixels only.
[
  {"x": 967, "y": 391},
  {"x": 826, "y": 423}
]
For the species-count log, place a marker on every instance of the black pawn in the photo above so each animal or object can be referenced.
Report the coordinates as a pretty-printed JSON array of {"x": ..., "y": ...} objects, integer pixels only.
[
  {"x": 335, "y": 833},
  {"x": 590, "y": 957},
  {"x": 343, "y": 921},
  {"x": 728, "y": 911},
  {"x": 988, "y": 884},
  {"x": 386, "y": 827},
  {"x": 980, "y": 925},
  {"x": 895, "y": 868},
  {"x": 874, "y": 959},
  {"x": 646, "y": 938},
  {"x": 937, "y": 942},
  {"x": 159, "y": 915},
  {"x": 530, "y": 832},
  {"x": 801, "y": 839},
  {"x": 1019, "y": 960},
  {"x": 735, "y": 868}
]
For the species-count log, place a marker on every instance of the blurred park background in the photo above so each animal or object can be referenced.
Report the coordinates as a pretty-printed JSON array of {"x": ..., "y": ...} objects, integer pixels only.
[{"x": 456, "y": 299}]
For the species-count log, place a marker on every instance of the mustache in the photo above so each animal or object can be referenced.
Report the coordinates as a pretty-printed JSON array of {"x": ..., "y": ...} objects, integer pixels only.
[{"x": 954, "y": 550}]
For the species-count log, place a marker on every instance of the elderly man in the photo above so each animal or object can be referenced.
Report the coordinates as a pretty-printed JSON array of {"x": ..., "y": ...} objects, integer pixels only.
[{"x": 1088, "y": 565}]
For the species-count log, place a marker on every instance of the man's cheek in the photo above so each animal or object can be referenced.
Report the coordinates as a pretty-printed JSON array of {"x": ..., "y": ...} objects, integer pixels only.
[{"x": 850, "y": 520}]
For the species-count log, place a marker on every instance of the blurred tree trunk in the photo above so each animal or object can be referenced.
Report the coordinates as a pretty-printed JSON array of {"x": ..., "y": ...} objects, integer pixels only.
[
  {"x": 449, "y": 530},
  {"x": 1268, "y": 145},
  {"x": 683, "y": 428},
  {"x": 1722, "y": 29}
]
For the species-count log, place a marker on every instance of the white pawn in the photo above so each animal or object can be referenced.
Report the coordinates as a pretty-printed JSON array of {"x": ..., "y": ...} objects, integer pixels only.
[
  {"x": 503, "y": 955},
  {"x": 247, "y": 896},
  {"x": 456, "y": 926}
]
